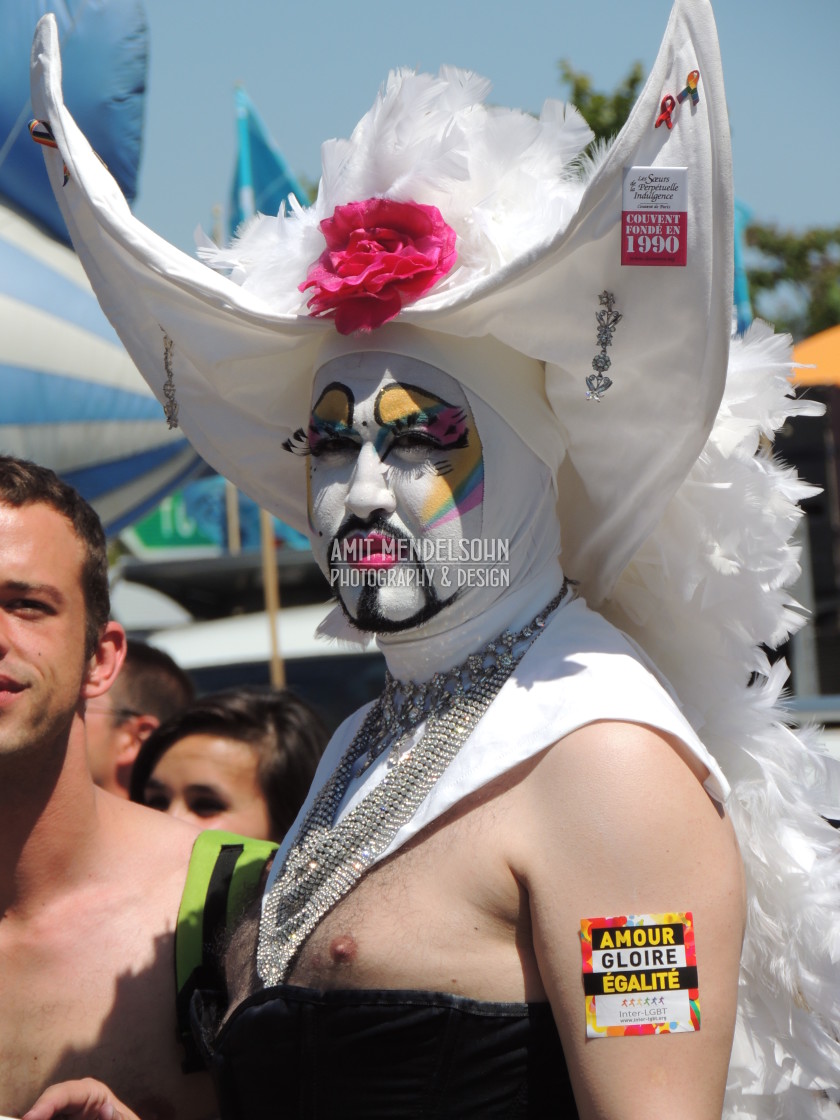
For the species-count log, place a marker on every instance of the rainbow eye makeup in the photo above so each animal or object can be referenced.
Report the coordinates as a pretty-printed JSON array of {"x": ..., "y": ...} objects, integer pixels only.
[
  {"x": 401, "y": 409},
  {"x": 416, "y": 434},
  {"x": 404, "y": 411},
  {"x": 331, "y": 422}
]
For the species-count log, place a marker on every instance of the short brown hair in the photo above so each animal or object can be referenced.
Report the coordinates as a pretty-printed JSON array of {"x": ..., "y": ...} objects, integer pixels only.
[
  {"x": 151, "y": 683},
  {"x": 25, "y": 484}
]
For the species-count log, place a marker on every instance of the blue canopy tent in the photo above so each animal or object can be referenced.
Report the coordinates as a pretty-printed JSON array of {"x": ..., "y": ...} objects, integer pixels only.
[
  {"x": 104, "y": 53},
  {"x": 70, "y": 398}
]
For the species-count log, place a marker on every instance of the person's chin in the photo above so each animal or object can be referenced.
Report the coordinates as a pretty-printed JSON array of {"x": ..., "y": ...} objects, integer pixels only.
[{"x": 372, "y": 614}]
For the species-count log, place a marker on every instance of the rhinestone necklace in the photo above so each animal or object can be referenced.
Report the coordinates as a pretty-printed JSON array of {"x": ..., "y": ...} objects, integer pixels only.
[{"x": 326, "y": 860}]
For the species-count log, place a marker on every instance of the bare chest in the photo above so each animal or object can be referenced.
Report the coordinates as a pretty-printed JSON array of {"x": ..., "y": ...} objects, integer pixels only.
[
  {"x": 445, "y": 913},
  {"x": 90, "y": 995}
]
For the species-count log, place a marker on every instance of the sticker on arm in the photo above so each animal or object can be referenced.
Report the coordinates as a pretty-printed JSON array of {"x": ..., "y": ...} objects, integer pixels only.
[{"x": 640, "y": 974}]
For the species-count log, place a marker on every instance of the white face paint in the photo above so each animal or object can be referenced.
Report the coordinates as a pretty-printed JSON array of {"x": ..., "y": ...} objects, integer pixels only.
[{"x": 396, "y": 486}]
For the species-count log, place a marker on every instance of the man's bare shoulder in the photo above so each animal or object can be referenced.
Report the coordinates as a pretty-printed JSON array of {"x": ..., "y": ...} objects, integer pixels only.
[
  {"x": 117, "y": 812},
  {"x": 151, "y": 842}
]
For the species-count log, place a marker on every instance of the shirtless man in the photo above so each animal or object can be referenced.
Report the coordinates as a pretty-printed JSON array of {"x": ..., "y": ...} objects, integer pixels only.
[{"x": 89, "y": 885}]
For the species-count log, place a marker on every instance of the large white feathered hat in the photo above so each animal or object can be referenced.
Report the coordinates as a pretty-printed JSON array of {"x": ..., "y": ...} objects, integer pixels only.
[{"x": 610, "y": 279}]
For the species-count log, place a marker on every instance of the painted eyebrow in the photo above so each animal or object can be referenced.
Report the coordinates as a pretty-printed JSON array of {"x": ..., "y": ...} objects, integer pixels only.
[
  {"x": 323, "y": 425},
  {"x": 419, "y": 416}
]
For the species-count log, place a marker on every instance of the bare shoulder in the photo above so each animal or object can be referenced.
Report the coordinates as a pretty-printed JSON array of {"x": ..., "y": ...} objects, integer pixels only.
[
  {"x": 152, "y": 843},
  {"x": 623, "y": 788},
  {"x": 141, "y": 872},
  {"x": 616, "y": 822}
]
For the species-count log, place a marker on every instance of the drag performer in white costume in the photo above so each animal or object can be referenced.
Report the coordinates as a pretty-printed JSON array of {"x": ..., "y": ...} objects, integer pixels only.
[{"x": 493, "y": 381}]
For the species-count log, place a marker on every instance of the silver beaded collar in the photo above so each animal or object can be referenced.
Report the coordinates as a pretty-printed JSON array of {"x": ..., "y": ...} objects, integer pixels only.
[{"x": 326, "y": 860}]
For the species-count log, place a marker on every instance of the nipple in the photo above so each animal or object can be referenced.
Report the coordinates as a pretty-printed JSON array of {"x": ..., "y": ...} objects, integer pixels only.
[{"x": 343, "y": 949}]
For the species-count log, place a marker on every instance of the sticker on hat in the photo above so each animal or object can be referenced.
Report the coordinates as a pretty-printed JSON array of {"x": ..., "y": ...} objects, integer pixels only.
[
  {"x": 654, "y": 216},
  {"x": 640, "y": 974}
]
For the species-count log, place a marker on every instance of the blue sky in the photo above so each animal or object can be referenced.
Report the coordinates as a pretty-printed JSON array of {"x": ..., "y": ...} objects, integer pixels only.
[{"x": 313, "y": 69}]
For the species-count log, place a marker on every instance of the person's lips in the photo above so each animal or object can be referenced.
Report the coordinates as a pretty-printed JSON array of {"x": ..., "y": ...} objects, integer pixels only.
[
  {"x": 369, "y": 550},
  {"x": 9, "y": 689}
]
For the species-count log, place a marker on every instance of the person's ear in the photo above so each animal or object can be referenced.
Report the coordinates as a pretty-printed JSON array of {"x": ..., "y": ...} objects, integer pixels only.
[
  {"x": 144, "y": 725},
  {"x": 106, "y": 661},
  {"x": 130, "y": 736},
  {"x": 132, "y": 733}
]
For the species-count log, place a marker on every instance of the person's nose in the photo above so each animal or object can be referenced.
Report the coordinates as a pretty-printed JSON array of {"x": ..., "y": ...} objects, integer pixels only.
[{"x": 369, "y": 492}]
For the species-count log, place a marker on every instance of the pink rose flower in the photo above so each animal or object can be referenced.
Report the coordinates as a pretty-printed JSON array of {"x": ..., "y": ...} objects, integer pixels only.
[{"x": 380, "y": 255}]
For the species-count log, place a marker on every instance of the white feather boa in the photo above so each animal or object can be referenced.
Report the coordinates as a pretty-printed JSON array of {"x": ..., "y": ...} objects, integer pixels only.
[{"x": 706, "y": 591}]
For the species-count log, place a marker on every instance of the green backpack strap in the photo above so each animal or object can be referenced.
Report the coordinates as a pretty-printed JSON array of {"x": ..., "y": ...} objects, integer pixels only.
[{"x": 224, "y": 875}]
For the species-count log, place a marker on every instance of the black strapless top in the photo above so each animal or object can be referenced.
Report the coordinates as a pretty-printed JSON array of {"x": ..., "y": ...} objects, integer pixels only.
[{"x": 290, "y": 1053}]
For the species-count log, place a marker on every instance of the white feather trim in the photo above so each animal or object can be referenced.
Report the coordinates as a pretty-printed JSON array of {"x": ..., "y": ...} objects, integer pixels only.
[
  {"x": 504, "y": 180},
  {"x": 701, "y": 597}
]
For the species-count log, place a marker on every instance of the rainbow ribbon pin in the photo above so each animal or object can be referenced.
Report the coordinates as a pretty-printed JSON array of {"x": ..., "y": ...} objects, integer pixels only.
[
  {"x": 41, "y": 133},
  {"x": 690, "y": 88}
]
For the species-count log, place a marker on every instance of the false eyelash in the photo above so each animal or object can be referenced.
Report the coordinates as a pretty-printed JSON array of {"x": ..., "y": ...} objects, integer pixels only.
[
  {"x": 298, "y": 443},
  {"x": 413, "y": 471},
  {"x": 460, "y": 419}
]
